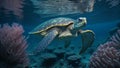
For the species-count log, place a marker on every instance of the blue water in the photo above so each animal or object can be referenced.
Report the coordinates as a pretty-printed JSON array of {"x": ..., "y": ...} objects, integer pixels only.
[{"x": 101, "y": 21}]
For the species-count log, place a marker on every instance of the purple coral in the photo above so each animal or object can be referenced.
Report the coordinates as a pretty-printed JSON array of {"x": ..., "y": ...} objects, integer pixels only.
[
  {"x": 13, "y": 45},
  {"x": 108, "y": 54}
]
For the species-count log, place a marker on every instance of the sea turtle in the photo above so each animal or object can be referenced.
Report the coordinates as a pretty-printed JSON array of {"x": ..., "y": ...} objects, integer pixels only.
[{"x": 63, "y": 28}]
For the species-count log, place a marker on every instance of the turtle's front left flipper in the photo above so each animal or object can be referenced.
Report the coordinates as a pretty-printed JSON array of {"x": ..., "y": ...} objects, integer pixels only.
[
  {"x": 88, "y": 37},
  {"x": 46, "y": 41}
]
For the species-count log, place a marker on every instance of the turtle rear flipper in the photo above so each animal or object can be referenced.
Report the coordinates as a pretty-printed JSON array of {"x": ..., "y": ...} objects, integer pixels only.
[
  {"x": 87, "y": 39},
  {"x": 46, "y": 41}
]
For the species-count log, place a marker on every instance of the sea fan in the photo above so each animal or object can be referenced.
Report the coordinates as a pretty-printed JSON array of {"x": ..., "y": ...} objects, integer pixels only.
[
  {"x": 14, "y": 6},
  {"x": 108, "y": 54},
  {"x": 13, "y": 45}
]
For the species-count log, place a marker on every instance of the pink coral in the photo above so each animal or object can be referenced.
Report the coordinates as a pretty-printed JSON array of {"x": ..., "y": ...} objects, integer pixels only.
[
  {"x": 13, "y": 45},
  {"x": 108, "y": 54}
]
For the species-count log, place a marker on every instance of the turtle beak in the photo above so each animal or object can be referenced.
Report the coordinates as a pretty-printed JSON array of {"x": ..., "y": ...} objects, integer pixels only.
[{"x": 82, "y": 21}]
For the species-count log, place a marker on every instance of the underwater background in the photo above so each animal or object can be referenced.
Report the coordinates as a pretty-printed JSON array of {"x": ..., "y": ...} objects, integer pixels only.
[{"x": 16, "y": 45}]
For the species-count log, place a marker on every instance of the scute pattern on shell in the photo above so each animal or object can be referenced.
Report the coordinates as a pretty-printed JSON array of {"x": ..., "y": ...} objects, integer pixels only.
[{"x": 52, "y": 23}]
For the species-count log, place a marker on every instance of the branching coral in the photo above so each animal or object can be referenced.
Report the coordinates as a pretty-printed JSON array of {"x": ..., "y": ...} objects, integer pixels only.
[
  {"x": 108, "y": 54},
  {"x": 13, "y": 45}
]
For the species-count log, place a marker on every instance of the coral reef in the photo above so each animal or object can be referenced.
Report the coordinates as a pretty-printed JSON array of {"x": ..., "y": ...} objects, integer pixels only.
[
  {"x": 12, "y": 46},
  {"x": 59, "y": 57},
  {"x": 74, "y": 61},
  {"x": 50, "y": 49},
  {"x": 48, "y": 60},
  {"x": 107, "y": 54},
  {"x": 59, "y": 52}
]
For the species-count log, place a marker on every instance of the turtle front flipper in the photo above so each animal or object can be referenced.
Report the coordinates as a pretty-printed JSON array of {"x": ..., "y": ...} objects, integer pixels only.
[
  {"x": 46, "y": 41},
  {"x": 87, "y": 39}
]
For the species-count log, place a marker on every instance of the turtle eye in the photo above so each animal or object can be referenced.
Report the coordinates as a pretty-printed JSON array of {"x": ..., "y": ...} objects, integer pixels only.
[{"x": 79, "y": 20}]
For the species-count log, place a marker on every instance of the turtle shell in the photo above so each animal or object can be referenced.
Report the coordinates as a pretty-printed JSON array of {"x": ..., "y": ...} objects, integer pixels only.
[{"x": 52, "y": 23}]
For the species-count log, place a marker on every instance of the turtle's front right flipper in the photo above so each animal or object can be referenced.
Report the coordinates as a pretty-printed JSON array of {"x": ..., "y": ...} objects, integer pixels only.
[
  {"x": 88, "y": 38},
  {"x": 46, "y": 41}
]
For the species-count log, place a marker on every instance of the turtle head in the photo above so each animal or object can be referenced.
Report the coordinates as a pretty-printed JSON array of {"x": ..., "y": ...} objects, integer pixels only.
[{"x": 81, "y": 22}]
